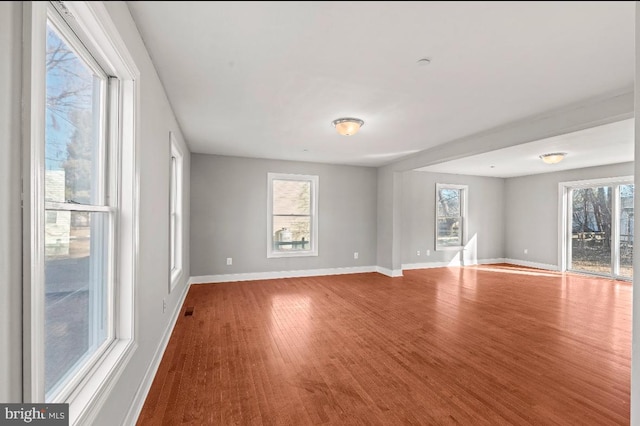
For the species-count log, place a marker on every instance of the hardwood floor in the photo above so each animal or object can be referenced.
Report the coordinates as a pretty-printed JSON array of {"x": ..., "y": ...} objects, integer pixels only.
[{"x": 484, "y": 345}]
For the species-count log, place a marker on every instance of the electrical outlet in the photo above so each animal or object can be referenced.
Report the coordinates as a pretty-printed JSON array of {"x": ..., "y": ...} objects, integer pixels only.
[
  {"x": 355, "y": 254},
  {"x": 428, "y": 252},
  {"x": 164, "y": 306},
  {"x": 418, "y": 253},
  {"x": 229, "y": 261},
  {"x": 526, "y": 251}
]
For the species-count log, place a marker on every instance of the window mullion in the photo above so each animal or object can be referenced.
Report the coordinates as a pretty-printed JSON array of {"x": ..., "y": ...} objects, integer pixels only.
[{"x": 52, "y": 205}]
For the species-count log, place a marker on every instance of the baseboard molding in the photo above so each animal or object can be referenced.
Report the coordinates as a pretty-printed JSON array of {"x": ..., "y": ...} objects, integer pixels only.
[
  {"x": 389, "y": 272},
  {"x": 150, "y": 374},
  {"x": 519, "y": 262},
  {"x": 454, "y": 262},
  {"x": 254, "y": 276}
]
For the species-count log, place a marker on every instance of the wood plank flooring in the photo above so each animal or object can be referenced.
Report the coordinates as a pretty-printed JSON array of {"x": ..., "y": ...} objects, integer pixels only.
[{"x": 484, "y": 345}]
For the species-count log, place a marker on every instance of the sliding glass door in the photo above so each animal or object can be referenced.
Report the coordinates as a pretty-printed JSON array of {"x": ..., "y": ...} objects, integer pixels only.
[
  {"x": 600, "y": 224},
  {"x": 625, "y": 228}
]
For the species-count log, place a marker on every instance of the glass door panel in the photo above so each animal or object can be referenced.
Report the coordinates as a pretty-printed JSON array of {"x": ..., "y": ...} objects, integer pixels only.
[
  {"x": 626, "y": 231},
  {"x": 591, "y": 230}
]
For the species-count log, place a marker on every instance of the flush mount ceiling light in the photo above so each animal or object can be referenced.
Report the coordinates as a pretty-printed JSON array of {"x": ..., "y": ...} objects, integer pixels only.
[
  {"x": 553, "y": 158},
  {"x": 347, "y": 126}
]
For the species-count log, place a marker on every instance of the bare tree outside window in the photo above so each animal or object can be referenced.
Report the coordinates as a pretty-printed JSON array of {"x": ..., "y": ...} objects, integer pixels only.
[
  {"x": 450, "y": 200},
  {"x": 592, "y": 239}
]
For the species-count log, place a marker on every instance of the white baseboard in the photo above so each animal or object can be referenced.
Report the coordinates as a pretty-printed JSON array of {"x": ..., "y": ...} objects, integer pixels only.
[
  {"x": 389, "y": 272},
  {"x": 150, "y": 374},
  {"x": 519, "y": 262},
  {"x": 454, "y": 262},
  {"x": 253, "y": 276}
]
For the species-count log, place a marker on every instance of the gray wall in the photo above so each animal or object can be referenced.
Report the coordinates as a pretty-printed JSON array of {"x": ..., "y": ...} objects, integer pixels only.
[
  {"x": 485, "y": 217},
  {"x": 229, "y": 215},
  {"x": 388, "y": 220},
  {"x": 10, "y": 213},
  {"x": 532, "y": 211}
]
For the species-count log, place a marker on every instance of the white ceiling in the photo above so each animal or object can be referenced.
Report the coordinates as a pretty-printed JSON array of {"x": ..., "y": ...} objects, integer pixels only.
[
  {"x": 265, "y": 79},
  {"x": 608, "y": 144}
]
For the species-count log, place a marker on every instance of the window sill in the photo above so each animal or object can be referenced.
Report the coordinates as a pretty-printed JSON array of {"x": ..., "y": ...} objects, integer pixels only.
[
  {"x": 175, "y": 279},
  {"x": 87, "y": 400},
  {"x": 292, "y": 254},
  {"x": 449, "y": 248}
]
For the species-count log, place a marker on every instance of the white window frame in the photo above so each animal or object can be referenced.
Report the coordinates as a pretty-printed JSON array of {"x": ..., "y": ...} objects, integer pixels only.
[
  {"x": 107, "y": 153},
  {"x": 176, "y": 182},
  {"x": 565, "y": 213},
  {"x": 313, "y": 246},
  {"x": 91, "y": 22},
  {"x": 463, "y": 211}
]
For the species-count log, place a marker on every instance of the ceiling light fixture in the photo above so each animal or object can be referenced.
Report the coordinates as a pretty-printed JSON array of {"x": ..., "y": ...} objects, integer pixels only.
[
  {"x": 347, "y": 126},
  {"x": 553, "y": 158}
]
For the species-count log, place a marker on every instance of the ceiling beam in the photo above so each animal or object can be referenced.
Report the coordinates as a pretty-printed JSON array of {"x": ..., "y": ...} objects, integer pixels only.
[{"x": 594, "y": 112}]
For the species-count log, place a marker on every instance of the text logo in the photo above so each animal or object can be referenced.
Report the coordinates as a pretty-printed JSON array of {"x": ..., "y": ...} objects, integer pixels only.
[{"x": 34, "y": 414}]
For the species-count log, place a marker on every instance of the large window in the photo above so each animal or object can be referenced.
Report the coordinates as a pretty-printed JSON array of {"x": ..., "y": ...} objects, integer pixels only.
[
  {"x": 451, "y": 203},
  {"x": 293, "y": 215},
  {"x": 175, "y": 207},
  {"x": 80, "y": 210},
  {"x": 80, "y": 215}
]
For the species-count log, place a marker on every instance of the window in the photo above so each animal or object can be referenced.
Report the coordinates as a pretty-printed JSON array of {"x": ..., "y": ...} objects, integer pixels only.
[
  {"x": 78, "y": 243},
  {"x": 80, "y": 214},
  {"x": 175, "y": 202},
  {"x": 451, "y": 204},
  {"x": 293, "y": 215}
]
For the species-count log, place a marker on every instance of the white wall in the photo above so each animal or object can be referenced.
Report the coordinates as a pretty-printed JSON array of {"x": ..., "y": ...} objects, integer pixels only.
[
  {"x": 10, "y": 212},
  {"x": 485, "y": 222},
  {"x": 532, "y": 211},
  {"x": 229, "y": 215}
]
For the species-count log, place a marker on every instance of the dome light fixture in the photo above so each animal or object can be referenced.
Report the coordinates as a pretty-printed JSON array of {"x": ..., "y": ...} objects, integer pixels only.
[
  {"x": 347, "y": 126},
  {"x": 553, "y": 158}
]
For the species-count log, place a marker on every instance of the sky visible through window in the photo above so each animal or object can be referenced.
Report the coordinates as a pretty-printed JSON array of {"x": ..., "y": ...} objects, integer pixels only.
[
  {"x": 66, "y": 98},
  {"x": 72, "y": 122}
]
